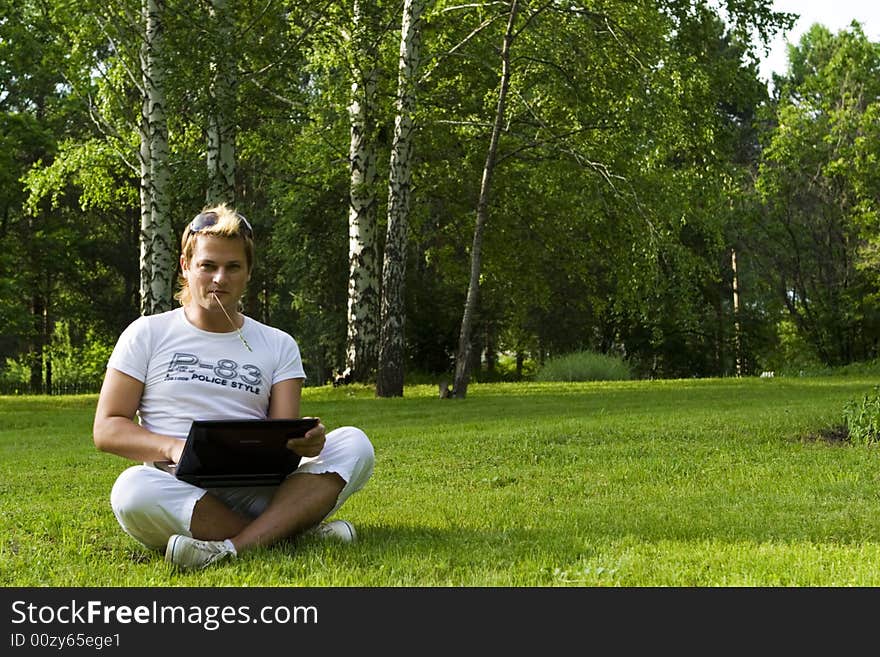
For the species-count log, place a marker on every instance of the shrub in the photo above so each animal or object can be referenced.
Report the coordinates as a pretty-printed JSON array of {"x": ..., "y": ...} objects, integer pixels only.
[
  {"x": 584, "y": 366},
  {"x": 75, "y": 368},
  {"x": 793, "y": 355},
  {"x": 862, "y": 418}
]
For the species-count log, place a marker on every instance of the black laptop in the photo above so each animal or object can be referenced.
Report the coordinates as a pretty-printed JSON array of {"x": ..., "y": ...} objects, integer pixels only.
[{"x": 221, "y": 453}]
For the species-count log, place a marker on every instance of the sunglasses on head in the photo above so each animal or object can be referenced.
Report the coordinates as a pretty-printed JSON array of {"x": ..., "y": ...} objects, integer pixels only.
[{"x": 205, "y": 219}]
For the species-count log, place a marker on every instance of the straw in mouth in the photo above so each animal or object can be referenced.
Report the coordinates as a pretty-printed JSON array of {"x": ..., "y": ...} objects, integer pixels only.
[{"x": 231, "y": 323}]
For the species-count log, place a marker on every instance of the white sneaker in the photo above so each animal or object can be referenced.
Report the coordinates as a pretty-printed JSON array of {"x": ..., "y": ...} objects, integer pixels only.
[
  {"x": 335, "y": 530},
  {"x": 187, "y": 552}
]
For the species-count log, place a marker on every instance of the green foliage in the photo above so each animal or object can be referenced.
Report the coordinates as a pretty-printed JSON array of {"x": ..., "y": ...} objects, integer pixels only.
[
  {"x": 792, "y": 353},
  {"x": 625, "y": 177},
  {"x": 90, "y": 167},
  {"x": 15, "y": 376},
  {"x": 77, "y": 365},
  {"x": 584, "y": 366},
  {"x": 510, "y": 367},
  {"x": 73, "y": 367},
  {"x": 862, "y": 418},
  {"x": 819, "y": 189}
]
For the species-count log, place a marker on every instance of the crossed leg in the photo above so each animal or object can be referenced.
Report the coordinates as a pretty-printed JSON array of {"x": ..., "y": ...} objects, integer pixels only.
[{"x": 301, "y": 501}]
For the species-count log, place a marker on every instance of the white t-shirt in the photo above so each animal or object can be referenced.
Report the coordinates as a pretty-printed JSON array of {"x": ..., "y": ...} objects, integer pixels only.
[{"x": 191, "y": 374}]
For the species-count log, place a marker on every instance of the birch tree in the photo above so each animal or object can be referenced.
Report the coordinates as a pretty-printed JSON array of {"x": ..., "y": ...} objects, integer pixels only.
[
  {"x": 157, "y": 261},
  {"x": 221, "y": 130},
  {"x": 363, "y": 278},
  {"x": 120, "y": 65},
  {"x": 389, "y": 379}
]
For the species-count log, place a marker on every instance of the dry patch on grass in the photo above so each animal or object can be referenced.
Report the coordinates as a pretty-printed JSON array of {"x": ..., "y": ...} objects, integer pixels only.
[{"x": 834, "y": 435}]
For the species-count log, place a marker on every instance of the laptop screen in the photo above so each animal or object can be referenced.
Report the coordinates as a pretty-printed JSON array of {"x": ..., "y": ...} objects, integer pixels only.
[{"x": 240, "y": 452}]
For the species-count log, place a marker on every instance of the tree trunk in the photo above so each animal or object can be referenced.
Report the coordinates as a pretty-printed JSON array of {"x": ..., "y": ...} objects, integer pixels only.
[
  {"x": 158, "y": 263},
  {"x": 38, "y": 316},
  {"x": 146, "y": 232},
  {"x": 463, "y": 356},
  {"x": 390, "y": 374},
  {"x": 737, "y": 335},
  {"x": 48, "y": 331},
  {"x": 221, "y": 112},
  {"x": 489, "y": 350},
  {"x": 363, "y": 278}
]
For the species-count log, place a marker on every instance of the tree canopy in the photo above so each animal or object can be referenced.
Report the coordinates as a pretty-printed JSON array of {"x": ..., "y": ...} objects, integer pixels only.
[{"x": 640, "y": 171}]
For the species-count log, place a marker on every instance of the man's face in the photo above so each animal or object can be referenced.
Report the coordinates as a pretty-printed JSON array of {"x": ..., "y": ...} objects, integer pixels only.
[{"x": 218, "y": 267}]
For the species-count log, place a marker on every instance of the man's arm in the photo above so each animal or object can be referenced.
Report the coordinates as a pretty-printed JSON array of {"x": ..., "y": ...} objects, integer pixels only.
[
  {"x": 284, "y": 403},
  {"x": 284, "y": 399},
  {"x": 115, "y": 430}
]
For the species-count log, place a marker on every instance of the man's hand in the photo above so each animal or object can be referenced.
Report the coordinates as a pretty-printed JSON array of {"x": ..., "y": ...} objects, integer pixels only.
[
  {"x": 176, "y": 451},
  {"x": 311, "y": 443}
]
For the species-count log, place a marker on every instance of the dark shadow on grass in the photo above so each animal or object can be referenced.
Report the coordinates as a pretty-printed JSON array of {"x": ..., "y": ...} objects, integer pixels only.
[
  {"x": 835, "y": 435},
  {"x": 497, "y": 545}
]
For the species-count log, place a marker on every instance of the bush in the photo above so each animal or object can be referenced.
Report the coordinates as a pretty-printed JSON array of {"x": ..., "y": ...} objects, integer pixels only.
[
  {"x": 862, "y": 418},
  {"x": 585, "y": 366},
  {"x": 793, "y": 355},
  {"x": 75, "y": 368}
]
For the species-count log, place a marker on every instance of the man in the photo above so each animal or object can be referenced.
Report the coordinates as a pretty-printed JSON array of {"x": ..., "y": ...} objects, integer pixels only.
[{"x": 256, "y": 372}]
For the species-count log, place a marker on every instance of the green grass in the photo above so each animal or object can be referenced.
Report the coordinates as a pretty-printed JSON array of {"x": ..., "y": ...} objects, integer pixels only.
[{"x": 711, "y": 482}]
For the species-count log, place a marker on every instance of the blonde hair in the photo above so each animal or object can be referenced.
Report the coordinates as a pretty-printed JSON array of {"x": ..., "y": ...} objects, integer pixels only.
[{"x": 228, "y": 224}]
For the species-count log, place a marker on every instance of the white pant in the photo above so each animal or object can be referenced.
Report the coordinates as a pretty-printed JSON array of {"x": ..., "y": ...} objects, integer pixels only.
[{"x": 151, "y": 504}]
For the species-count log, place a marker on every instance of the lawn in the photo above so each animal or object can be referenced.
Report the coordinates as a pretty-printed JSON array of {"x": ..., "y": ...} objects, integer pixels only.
[{"x": 713, "y": 482}]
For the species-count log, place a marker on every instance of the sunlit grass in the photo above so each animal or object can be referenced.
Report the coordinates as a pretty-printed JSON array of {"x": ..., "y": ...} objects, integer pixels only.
[{"x": 668, "y": 483}]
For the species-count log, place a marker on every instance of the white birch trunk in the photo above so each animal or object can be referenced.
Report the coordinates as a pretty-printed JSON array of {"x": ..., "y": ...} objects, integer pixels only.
[
  {"x": 221, "y": 113},
  {"x": 390, "y": 375},
  {"x": 737, "y": 334},
  {"x": 146, "y": 232},
  {"x": 163, "y": 264},
  {"x": 363, "y": 279}
]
